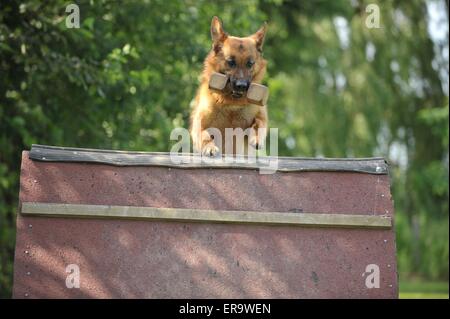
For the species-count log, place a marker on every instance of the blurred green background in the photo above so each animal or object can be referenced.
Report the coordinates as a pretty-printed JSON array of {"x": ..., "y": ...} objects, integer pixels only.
[{"x": 127, "y": 77}]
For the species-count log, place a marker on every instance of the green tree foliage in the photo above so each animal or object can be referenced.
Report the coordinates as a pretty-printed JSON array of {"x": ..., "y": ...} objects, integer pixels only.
[{"x": 127, "y": 76}]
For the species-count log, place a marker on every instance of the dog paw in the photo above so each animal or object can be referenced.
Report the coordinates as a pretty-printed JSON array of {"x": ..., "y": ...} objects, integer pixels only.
[
  {"x": 256, "y": 142},
  {"x": 210, "y": 150}
]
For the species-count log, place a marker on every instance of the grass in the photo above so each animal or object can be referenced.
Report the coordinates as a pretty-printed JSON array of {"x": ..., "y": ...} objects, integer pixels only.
[{"x": 423, "y": 290}]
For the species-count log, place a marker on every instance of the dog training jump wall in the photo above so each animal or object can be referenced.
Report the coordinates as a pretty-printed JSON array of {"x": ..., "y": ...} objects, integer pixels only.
[{"x": 138, "y": 226}]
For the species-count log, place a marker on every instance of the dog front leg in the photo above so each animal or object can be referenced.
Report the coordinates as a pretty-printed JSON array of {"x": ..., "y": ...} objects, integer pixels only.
[
  {"x": 209, "y": 147},
  {"x": 258, "y": 133},
  {"x": 202, "y": 139}
]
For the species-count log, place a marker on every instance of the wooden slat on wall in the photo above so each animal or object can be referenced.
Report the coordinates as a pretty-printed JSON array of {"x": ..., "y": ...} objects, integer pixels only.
[
  {"x": 199, "y": 215},
  {"x": 284, "y": 164}
]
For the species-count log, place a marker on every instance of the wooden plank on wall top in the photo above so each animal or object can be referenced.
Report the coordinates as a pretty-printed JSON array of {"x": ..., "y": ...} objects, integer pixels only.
[
  {"x": 201, "y": 215},
  {"x": 46, "y": 153}
]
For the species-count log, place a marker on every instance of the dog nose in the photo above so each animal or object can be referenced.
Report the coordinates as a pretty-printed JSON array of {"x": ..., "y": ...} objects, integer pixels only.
[{"x": 241, "y": 85}]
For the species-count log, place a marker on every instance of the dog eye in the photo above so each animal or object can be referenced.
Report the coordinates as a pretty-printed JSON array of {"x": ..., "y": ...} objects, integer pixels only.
[
  {"x": 231, "y": 63},
  {"x": 250, "y": 63}
]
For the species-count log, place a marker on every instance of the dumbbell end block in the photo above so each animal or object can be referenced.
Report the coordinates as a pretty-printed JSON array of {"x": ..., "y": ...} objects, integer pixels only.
[
  {"x": 218, "y": 81},
  {"x": 258, "y": 94}
]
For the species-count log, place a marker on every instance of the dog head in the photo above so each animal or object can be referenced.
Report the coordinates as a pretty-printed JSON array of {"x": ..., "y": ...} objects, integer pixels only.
[{"x": 238, "y": 58}]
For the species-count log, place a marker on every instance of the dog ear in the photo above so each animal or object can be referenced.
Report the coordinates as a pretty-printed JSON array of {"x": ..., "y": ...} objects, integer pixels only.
[
  {"x": 218, "y": 35},
  {"x": 259, "y": 36}
]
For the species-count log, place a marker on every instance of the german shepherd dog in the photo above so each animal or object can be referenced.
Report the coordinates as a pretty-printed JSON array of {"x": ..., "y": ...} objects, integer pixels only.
[{"x": 241, "y": 60}]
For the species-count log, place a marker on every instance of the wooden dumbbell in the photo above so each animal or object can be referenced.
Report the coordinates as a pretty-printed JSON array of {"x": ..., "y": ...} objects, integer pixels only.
[{"x": 256, "y": 93}]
